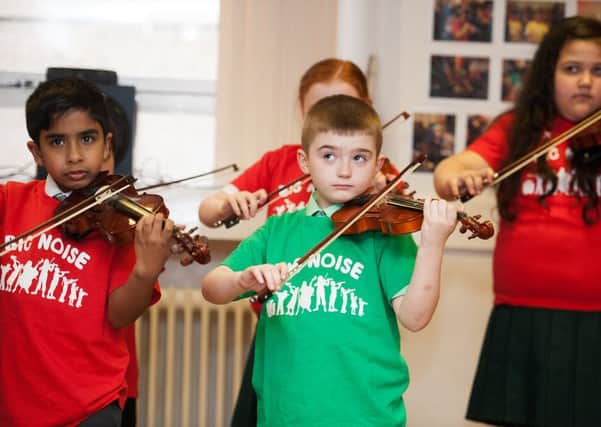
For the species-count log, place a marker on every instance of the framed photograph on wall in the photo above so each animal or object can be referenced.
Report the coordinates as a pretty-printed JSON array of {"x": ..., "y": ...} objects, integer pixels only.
[
  {"x": 434, "y": 136},
  {"x": 476, "y": 124},
  {"x": 590, "y": 8},
  {"x": 514, "y": 72},
  {"x": 469, "y": 20},
  {"x": 459, "y": 77},
  {"x": 529, "y": 21}
]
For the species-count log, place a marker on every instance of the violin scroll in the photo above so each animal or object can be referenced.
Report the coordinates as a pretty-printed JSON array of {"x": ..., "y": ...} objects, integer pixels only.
[
  {"x": 196, "y": 246},
  {"x": 483, "y": 230}
]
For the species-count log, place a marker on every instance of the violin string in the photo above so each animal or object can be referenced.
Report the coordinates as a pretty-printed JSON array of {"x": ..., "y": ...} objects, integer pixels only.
[{"x": 233, "y": 166}]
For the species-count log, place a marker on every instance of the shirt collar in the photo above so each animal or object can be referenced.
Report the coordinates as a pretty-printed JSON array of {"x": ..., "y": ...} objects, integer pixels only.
[
  {"x": 313, "y": 209},
  {"x": 53, "y": 190}
]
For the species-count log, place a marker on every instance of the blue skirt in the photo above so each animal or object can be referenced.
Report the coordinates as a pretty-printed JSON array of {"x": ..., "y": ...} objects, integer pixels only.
[{"x": 539, "y": 367}]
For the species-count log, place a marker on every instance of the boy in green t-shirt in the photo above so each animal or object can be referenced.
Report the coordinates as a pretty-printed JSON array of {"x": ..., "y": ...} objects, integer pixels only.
[{"x": 327, "y": 348}]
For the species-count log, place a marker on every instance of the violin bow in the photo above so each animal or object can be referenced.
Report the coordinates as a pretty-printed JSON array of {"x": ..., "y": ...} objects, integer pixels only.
[
  {"x": 515, "y": 166},
  {"x": 81, "y": 207},
  {"x": 233, "y": 166},
  {"x": 233, "y": 219},
  {"x": 377, "y": 198}
]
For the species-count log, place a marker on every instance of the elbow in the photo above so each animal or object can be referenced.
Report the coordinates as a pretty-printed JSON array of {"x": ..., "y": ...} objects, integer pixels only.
[
  {"x": 415, "y": 326},
  {"x": 210, "y": 295},
  {"x": 118, "y": 322},
  {"x": 416, "y": 321}
]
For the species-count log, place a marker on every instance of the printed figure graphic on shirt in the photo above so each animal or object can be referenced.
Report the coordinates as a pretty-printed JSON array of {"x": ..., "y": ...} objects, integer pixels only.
[
  {"x": 21, "y": 277},
  {"x": 47, "y": 266},
  {"x": 327, "y": 290},
  {"x": 28, "y": 273},
  {"x": 307, "y": 291}
]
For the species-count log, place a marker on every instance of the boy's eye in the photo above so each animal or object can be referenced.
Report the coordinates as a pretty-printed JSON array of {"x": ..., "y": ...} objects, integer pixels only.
[
  {"x": 87, "y": 139},
  {"x": 360, "y": 158},
  {"x": 596, "y": 70},
  {"x": 57, "y": 141},
  {"x": 328, "y": 156}
]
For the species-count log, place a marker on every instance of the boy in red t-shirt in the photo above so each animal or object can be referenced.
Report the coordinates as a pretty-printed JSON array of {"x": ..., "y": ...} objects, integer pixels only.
[{"x": 64, "y": 304}]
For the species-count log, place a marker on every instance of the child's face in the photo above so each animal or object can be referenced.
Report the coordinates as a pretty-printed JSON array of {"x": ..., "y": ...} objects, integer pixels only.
[
  {"x": 578, "y": 79},
  {"x": 318, "y": 91},
  {"x": 342, "y": 167},
  {"x": 73, "y": 150}
]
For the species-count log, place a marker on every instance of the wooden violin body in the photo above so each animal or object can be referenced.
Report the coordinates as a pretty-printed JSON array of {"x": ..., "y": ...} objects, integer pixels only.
[
  {"x": 401, "y": 215},
  {"x": 116, "y": 217}
]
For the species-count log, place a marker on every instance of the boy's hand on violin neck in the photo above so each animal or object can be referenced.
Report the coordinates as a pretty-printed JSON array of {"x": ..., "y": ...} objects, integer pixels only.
[
  {"x": 244, "y": 204},
  {"x": 440, "y": 219},
  {"x": 153, "y": 245},
  {"x": 259, "y": 277}
]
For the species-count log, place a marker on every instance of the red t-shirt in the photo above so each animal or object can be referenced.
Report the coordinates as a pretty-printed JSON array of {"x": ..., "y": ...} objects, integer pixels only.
[
  {"x": 273, "y": 171},
  {"x": 131, "y": 374},
  {"x": 547, "y": 257},
  {"x": 61, "y": 359}
]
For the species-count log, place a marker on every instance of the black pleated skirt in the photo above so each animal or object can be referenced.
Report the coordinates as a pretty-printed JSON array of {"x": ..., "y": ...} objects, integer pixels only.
[{"x": 539, "y": 367}]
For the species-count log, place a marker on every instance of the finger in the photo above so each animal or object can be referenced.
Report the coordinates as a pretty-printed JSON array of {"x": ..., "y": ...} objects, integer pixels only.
[
  {"x": 168, "y": 228},
  {"x": 273, "y": 279},
  {"x": 261, "y": 196},
  {"x": 233, "y": 204},
  {"x": 283, "y": 270},
  {"x": 257, "y": 275},
  {"x": 427, "y": 208}
]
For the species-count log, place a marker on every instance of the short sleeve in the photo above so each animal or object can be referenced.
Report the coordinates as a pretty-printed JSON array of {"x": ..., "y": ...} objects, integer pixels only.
[
  {"x": 123, "y": 262},
  {"x": 492, "y": 144},
  {"x": 256, "y": 176}
]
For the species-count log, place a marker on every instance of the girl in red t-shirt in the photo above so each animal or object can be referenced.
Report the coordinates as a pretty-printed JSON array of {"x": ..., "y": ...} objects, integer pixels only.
[{"x": 540, "y": 363}]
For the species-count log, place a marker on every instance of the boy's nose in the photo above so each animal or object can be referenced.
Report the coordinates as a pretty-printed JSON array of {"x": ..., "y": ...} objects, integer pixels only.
[
  {"x": 344, "y": 168},
  {"x": 74, "y": 152}
]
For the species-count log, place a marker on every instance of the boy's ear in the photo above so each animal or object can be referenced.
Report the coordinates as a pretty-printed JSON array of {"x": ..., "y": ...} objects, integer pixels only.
[
  {"x": 303, "y": 160},
  {"x": 380, "y": 161},
  {"x": 108, "y": 146},
  {"x": 35, "y": 152}
]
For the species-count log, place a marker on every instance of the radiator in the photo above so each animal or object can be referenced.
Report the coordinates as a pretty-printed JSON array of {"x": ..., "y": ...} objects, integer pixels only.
[{"x": 191, "y": 356}]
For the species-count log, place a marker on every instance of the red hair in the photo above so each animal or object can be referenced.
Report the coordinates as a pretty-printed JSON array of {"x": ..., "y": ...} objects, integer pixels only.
[{"x": 331, "y": 69}]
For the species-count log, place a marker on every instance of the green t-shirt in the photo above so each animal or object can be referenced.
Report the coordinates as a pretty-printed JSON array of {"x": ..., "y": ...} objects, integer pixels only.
[{"x": 328, "y": 345}]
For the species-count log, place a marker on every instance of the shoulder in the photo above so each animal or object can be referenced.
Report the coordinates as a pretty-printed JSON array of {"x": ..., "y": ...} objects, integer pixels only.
[
  {"x": 15, "y": 188},
  {"x": 286, "y": 150}
]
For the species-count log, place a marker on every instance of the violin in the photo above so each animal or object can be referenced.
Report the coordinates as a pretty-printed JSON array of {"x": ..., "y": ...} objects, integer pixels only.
[
  {"x": 401, "y": 215},
  {"x": 111, "y": 206}
]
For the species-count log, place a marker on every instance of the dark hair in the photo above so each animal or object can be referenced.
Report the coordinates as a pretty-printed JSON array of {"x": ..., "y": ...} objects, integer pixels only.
[
  {"x": 53, "y": 98},
  {"x": 534, "y": 112},
  {"x": 341, "y": 114},
  {"x": 332, "y": 69}
]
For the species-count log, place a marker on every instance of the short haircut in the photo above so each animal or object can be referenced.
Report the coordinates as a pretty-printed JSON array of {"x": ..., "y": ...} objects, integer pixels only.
[
  {"x": 343, "y": 115},
  {"x": 53, "y": 98}
]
